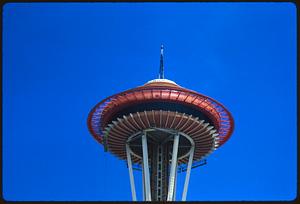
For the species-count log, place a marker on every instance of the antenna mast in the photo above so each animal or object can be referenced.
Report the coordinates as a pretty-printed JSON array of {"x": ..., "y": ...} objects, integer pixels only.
[{"x": 161, "y": 68}]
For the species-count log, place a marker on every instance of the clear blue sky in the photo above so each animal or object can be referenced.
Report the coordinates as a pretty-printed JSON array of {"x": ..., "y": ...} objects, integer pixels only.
[{"x": 60, "y": 59}]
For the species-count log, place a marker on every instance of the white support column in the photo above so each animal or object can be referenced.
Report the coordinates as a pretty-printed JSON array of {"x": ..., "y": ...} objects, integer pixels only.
[
  {"x": 175, "y": 185},
  {"x": 133, "y": 193},
  {"x": 173, "y": 168},
  {"x": 188, "y": 172},
  {"x": 146, "y": 168},
  {"x": 143, "y": 181}
]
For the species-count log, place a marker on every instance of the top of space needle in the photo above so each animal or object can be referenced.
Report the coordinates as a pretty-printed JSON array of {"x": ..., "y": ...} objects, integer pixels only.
[
  {"x": 161, "y": 76},
  {"x": 155, "y": 105}
]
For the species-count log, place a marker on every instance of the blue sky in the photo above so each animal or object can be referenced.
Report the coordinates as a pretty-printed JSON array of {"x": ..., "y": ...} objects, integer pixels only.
[{"x": 60, "y": 59}]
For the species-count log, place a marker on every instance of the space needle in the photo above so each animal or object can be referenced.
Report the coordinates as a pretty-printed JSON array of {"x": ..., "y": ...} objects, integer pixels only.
[{"x": 161, "y": 128}]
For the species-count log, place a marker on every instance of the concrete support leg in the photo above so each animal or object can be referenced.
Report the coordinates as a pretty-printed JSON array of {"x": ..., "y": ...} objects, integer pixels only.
[
  {"x": 146, "y": 168},
  {"x": 175, "y": 185},
  {"x": 173, "y": 168},
  {"x": 188, "y": 172},
  {"x": 133, "y": 193}
]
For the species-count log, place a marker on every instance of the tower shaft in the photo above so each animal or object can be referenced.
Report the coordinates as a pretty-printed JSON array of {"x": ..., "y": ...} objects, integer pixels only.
[{"x": 159, "y": 171}]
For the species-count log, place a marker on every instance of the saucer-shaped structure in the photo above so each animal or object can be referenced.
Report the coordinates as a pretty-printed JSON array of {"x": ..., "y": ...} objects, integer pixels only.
[{"x": 160, "y": 103}]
